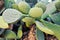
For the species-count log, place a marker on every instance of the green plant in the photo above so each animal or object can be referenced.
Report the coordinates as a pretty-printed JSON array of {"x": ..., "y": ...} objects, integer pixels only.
[
  {"x": 35, "y": 16},
  {"x": 28, "y": 21}
]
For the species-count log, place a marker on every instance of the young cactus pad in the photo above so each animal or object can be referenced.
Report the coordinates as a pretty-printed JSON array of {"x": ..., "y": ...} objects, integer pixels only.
[
  {"x": 28, "y": 20},
  {"x": 35, "y": 12},
  {"x": 41, "y": 5},
  {"x": 3, "y": 24},
  {"x": 15, "y": 6},
  {"x": 24, "y": 7},
  {"x": 11, "y": 15}
]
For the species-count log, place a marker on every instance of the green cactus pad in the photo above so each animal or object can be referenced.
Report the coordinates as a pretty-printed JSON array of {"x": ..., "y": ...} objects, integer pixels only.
[
  {"x": 11, "y": 15},
  {"x": 28, "y": 20}
]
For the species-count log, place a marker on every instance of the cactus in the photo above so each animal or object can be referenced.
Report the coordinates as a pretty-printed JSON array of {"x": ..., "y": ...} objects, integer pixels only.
[{"x": 11, "y": 15}]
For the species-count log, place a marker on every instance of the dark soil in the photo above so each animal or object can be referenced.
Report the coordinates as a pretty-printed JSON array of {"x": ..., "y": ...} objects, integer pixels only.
[
  {"x": 1, "y": 4},
  {"x": 30, "y": 34},
  {"x": 50, "y": 37}
]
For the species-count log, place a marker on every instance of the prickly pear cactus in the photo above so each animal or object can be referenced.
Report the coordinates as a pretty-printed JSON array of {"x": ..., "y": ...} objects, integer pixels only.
[{"x": 11, "y": 15}]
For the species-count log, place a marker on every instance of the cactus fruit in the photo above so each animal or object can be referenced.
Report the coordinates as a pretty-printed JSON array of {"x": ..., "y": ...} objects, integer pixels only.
[
  {"x": 41, "y": 5},
  {"x": 15, "y": 6},
  {"x": 24, "y": 7},
  {"x": 35, "y": 12}
]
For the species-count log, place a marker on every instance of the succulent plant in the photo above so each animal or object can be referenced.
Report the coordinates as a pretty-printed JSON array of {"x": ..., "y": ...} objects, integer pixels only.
[{"x": 37, "y": 17}]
